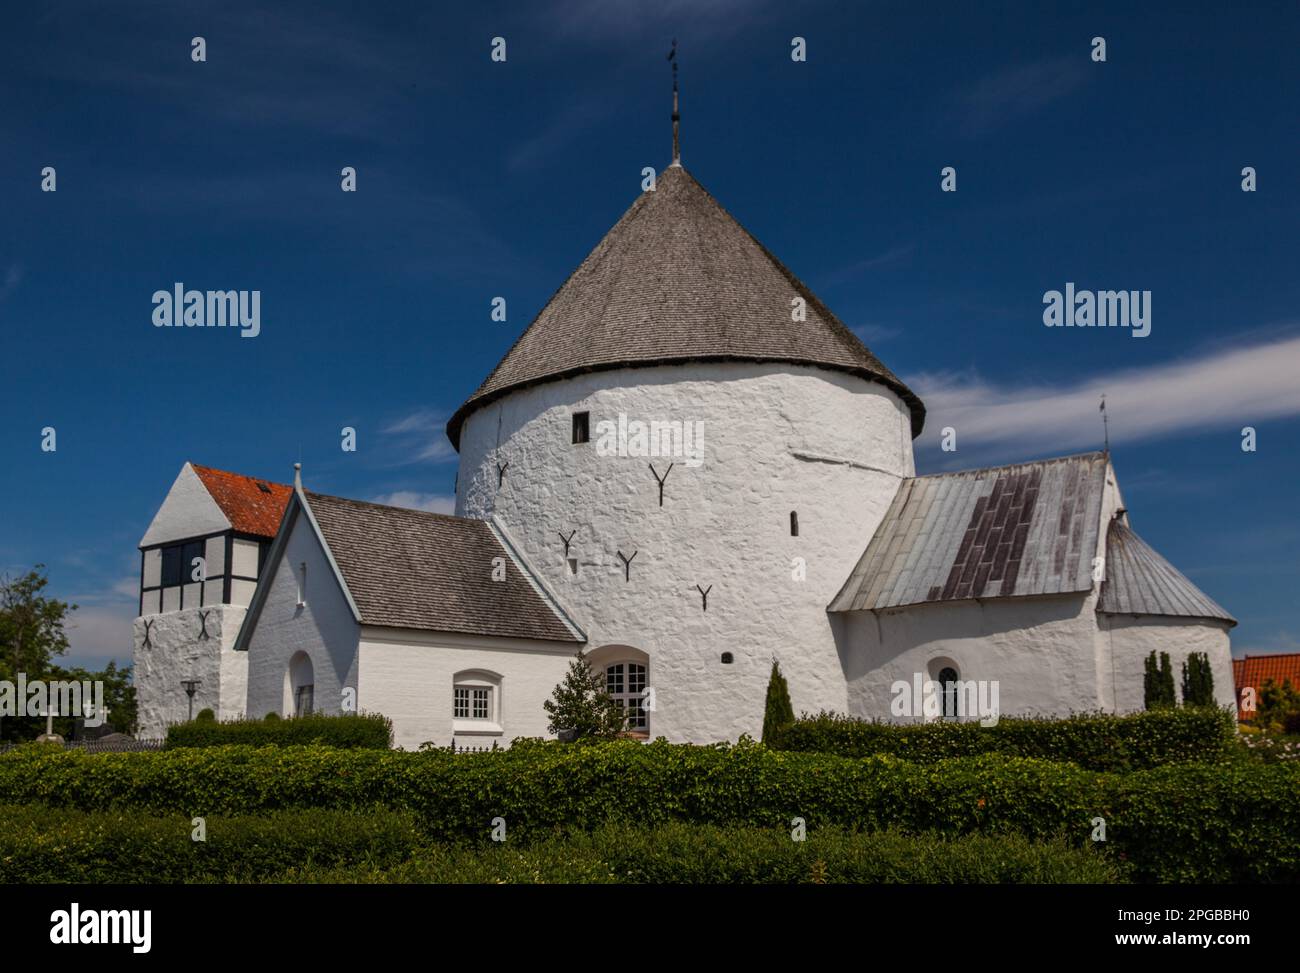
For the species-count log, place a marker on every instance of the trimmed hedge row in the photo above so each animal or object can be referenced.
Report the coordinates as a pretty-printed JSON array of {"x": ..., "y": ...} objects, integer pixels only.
[
  {"x": 1094, "y": 741},
  {"x": 1182, "y": 822},
  {"x": 39, "y": 844},
  {"x": 699, "y": 854},
  {"x": 369, "y": 730}
]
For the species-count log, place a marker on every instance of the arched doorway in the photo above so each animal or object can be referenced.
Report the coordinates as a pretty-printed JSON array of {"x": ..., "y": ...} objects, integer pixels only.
[{"x": 299, "y": 686}]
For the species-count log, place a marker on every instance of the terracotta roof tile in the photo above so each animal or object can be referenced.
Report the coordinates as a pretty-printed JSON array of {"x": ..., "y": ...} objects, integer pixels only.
[
  {"x": 251, "y": 505},
  {"x": 1253, "y": 670}
]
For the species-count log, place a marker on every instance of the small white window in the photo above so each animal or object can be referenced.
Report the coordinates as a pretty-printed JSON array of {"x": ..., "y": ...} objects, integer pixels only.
[{"x": 476, "y": 703}]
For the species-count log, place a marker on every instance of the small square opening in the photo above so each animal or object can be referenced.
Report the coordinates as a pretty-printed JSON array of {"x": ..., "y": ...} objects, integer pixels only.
[{"x": 581, "y": 427}]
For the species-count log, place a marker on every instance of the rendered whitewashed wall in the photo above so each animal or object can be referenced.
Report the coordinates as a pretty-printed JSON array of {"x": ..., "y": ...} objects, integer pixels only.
[
  {"x": 408, "y": 676},
  {"x": 1040, "y": 650},
  {"x": 1129, "y": 639},
  {"x": 176, "y": 652},
  {"x": 187, "y": 511},
  {"x": 778, "y": 438},
  {"x": 324, "y": 628}
]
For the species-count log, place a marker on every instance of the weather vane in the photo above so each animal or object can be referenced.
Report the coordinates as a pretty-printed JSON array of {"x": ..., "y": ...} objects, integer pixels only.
[{"x": 677, "y": 146}]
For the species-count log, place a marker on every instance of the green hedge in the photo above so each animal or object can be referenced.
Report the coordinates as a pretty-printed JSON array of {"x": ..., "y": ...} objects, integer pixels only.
[
  {"x": 368, "y": 730},
  {"x": 703, "y": 854},
  {"x": 38, "y": 844},
  {"x": 1181, "y": 822},
  {"x": 1094, "y": 741}
]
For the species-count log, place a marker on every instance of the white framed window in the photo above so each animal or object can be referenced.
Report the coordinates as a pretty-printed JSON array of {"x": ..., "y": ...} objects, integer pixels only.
[
  {"x": 626, "y": 682},
  {"x": 472, "y": 703},
  {"x": 476, "y": 703}
]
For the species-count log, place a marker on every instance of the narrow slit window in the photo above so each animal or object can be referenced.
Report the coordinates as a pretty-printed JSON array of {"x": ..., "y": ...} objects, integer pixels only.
[
  {"x": 794, "y": 523},
  {"x": 581, "y": 427},
  {"x": 302, "y": 583}
]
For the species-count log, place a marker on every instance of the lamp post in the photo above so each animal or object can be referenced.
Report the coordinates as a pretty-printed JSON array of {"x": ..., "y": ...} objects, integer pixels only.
[{"x": 190, "y": 686}]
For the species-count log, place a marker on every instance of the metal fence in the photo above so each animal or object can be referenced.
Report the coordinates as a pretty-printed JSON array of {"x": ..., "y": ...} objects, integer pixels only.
[{"x": 99, "y": 746}]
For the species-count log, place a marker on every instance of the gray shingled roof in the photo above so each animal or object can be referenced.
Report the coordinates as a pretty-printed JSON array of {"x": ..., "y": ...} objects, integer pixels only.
[
  {"x": 1028, "y": 529},
  {"x": 678, "y": 279},
  {"x": 1141, "y": 582},
  {"x": 412, "y": 569}
]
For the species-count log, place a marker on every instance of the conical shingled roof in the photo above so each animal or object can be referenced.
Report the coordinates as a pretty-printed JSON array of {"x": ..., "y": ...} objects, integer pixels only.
[
  {"x": 1141, "y": 582},
  {"x": 678, "y": 279}
]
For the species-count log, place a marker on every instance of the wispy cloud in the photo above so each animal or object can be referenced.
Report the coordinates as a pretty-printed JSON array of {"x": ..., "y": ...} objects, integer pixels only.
[
  {"x": 891, "y": 256},
  {"x": 598, "y": 20},
  {"x": 571, "y": 122},
  {"x": 13, "y": 276},
  {"x": 420, "y": 437},
  {"x": 1225, "y": 387},
  {"x": 875, "y": 333},
  {"x": 436, "y": 503},
  {"x": 1018, "y": 91}
]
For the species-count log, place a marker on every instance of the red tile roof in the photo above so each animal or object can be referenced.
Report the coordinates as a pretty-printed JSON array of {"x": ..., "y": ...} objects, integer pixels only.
[
  {"x": 1254, "y": 669},
  {"x": 249, "y": 508}
]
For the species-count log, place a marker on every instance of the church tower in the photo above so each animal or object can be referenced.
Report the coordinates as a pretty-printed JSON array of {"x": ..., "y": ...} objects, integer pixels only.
[{"x": 692, "y": 452}]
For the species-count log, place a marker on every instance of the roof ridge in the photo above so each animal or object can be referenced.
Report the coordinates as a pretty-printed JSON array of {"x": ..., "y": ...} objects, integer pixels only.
[
  {"x": 391, "y": 506},
  {"x": 1008, "y": 466}
]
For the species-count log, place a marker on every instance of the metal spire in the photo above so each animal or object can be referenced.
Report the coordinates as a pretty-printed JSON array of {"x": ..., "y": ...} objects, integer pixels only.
[
  {"x": 1105, "y": 423},
  {"x": 677, "y": 118}
]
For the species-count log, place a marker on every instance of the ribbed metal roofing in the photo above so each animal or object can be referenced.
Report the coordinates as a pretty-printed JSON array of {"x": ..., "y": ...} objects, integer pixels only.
[
  {"x": 677, "y": 279},
  {"x": 1027, "y": 529},
  {"x": 1141, "y": 582}
]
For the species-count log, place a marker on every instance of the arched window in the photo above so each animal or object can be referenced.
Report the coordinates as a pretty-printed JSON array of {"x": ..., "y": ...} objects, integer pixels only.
[
  {"x": 625, "y": 682},
  {"x": 948, "y": 692}
]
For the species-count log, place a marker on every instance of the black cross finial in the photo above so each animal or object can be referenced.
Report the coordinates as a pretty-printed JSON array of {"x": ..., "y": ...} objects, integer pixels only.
[{"x": 677, "y": 118}]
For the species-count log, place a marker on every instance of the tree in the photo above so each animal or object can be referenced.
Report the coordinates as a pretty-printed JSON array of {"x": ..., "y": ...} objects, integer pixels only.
[
  {"x": 32, "y": 637},
  {"x": 1158, "y": 682},
  {"x": 31, "y": 625},
  {"x": 1151, "y": 682},
  {"x": 777, "y": 711},
  {"x": 581, "y": 703},
  {"x": 1167, "y": 697},
  {"x": 1198, "y": 680},
  {"x": 1275, "y": 705}
]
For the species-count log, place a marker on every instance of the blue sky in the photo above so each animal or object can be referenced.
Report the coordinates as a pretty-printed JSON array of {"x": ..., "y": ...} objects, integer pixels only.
[{"x": 478, "y": 179}]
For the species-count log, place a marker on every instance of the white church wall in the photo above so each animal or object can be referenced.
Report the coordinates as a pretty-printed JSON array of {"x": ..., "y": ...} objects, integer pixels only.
[
  {"x": 1131, "y": 638},
  {"x": 187, "y": 511},
  {"x": 176, "y": 652},
  {"x": 409, "y": 676},
  {"x": 1039, "y": 650},
  {"x": 777, "y": 438},
  {"x": 324, "y": 628}
]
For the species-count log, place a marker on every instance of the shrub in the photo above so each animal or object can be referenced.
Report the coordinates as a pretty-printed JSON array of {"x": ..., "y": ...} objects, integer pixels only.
[
  {"x": 777, "y": 711},
  {"x": 1095, "y": 741},
  {"x": 205, "y": 716},
  {"x": 1198, "y": 680},
  {"x": 38, "y": 844},
  {"x": 369, "y": 730},
  {"x": 1182, "y": 822},
  {"x": 582, "y": 705},
  {"x": 698, "y": 854}
]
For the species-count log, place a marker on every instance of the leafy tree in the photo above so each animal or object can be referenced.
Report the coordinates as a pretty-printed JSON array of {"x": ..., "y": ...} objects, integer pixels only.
[
  {"x": 1198, "y": 680},
  {"x": 777, "y": 711},
  {"x": 1276, "y": 705},
  {"x": 581, "y": 703},
  {"x": 31, "y": 625}
]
